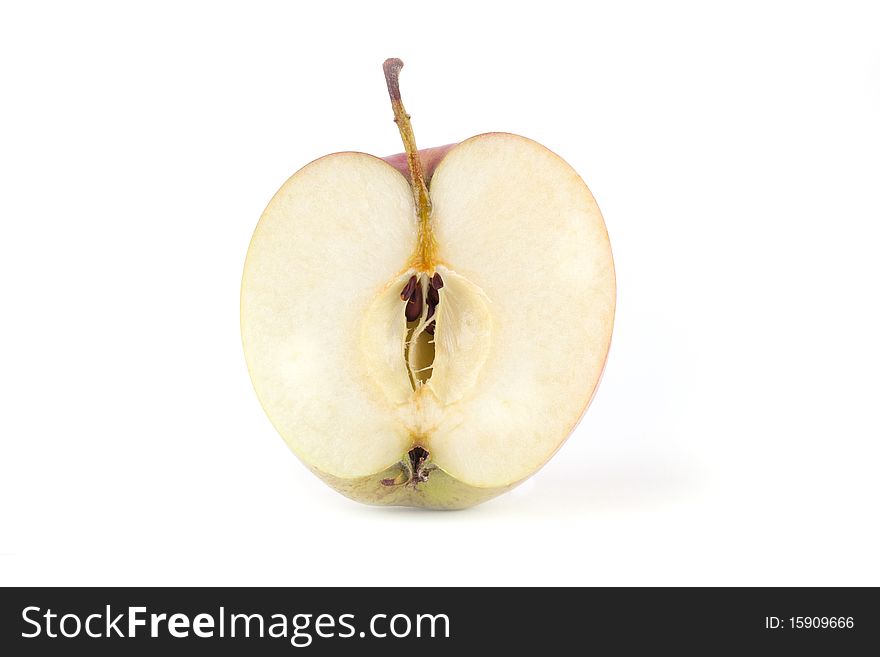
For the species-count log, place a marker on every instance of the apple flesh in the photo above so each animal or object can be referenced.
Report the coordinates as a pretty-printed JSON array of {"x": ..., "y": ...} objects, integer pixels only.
[{"x": 429, "y": 341}]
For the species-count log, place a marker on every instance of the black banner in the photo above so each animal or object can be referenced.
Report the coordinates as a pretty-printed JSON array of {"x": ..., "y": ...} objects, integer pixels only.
[{"x": 431, "y": 621}]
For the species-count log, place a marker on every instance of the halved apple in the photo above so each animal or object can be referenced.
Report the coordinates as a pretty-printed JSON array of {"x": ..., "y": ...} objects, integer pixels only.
[{"x": 432, "y": 341}]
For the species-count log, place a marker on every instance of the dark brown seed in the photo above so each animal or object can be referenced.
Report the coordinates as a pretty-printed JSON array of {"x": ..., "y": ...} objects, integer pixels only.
[
  {"x": 429, "y": 329},
  {"x": 436, "y": 281},
  {"x": 413, "y": 308},
  {"x": 433, "y": 296},
  {"x": 408, "y": 289},
  {"x": 430, "y": 312}
]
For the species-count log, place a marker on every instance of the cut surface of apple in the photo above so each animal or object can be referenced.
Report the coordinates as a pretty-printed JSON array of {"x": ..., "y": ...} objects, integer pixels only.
[{"x": 430, "y": 351}]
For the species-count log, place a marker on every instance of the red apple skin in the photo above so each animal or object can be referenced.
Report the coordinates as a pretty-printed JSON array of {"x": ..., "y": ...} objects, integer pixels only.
[{"x": 430, "y": 159}]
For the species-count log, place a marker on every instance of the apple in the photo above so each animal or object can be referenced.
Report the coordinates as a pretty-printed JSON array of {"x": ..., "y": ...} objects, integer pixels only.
[{"x": 427, "y": 330}]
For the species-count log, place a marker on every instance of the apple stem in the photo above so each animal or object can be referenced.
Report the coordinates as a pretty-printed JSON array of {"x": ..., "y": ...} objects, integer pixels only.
[{"x": 424, "y": 258}]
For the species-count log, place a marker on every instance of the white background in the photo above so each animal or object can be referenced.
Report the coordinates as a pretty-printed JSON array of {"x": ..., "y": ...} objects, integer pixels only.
[{"x": 736, "y": 157}]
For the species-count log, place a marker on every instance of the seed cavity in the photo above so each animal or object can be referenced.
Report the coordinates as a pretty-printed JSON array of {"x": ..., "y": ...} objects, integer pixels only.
[{"x": 421, "y": 296}]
